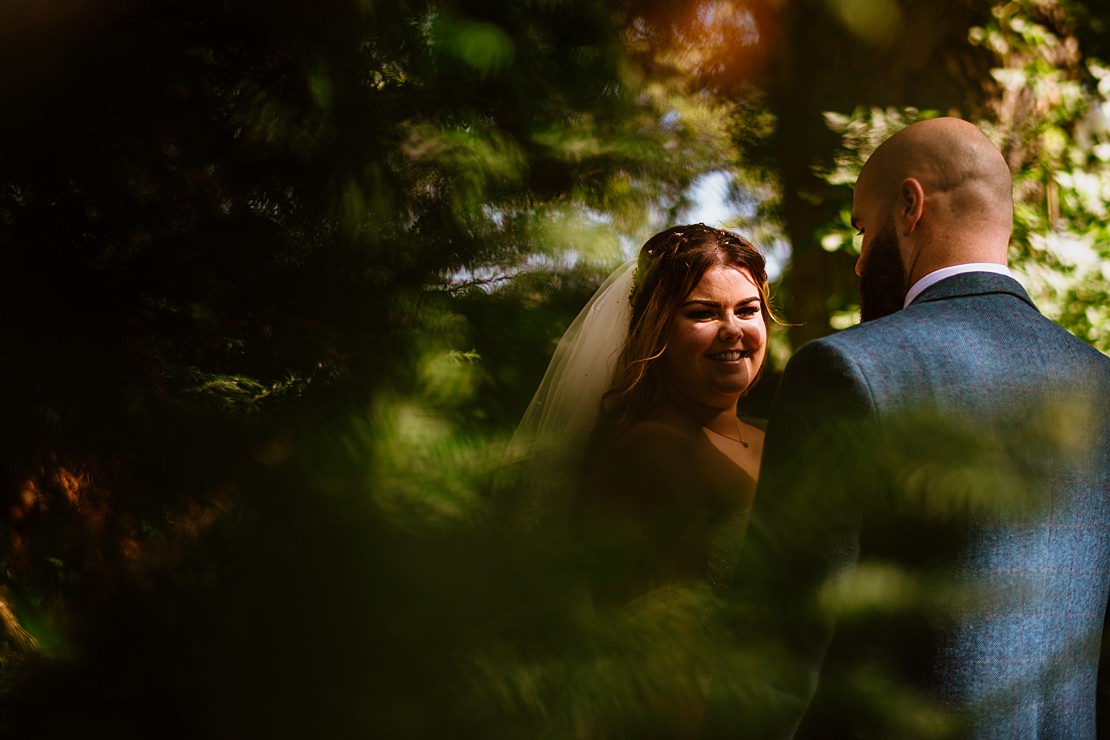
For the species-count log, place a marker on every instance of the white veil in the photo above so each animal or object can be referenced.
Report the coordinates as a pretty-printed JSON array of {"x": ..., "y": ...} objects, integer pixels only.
[
  {"x": 567, "y": 401},
  {"x": 556, "y": 423}
]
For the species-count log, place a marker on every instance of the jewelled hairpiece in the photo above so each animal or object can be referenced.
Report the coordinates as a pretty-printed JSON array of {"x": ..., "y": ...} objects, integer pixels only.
[{"x": 670, "y": 246}]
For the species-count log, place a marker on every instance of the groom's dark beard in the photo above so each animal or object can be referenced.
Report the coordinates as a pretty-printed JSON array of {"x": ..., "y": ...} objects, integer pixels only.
[{"x": 882, "y": 280}]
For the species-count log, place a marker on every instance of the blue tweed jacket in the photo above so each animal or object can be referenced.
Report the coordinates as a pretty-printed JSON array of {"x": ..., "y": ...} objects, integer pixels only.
[{"x": 935, "y": 493}]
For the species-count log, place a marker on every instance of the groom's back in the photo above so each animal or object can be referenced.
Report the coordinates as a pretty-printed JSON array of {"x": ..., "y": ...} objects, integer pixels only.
[{"x": 991, "y": 483}]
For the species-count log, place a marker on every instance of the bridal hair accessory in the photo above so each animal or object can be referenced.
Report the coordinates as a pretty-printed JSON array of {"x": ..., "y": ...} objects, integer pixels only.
[
  {"x": 666, "y": 244},
  {"x": 670, "y": 247}
]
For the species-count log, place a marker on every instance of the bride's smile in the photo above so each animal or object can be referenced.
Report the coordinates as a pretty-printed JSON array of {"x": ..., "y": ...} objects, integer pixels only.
[{"x": 730, "y": 355}]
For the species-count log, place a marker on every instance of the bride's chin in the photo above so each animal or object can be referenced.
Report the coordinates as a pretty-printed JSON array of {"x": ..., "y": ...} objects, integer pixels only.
[
  {"x": 723, "y": 399},
  {"x": 734, "y": 391}
]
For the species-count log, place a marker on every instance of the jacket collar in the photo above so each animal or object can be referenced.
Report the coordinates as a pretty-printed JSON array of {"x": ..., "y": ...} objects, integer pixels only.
[{"x": 972, "y": 284}]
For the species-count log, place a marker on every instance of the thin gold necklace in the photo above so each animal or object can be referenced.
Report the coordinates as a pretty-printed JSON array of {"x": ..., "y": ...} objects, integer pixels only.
[{"x": 738, "y": 438}]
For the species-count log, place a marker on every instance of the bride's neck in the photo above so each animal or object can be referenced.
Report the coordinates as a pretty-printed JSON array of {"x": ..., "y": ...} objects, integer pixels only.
[{"x": 718, "y": 419}]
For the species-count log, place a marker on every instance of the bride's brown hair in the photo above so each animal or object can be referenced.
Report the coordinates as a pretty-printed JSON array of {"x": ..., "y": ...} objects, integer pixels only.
[{"x": 669, "y": 267}]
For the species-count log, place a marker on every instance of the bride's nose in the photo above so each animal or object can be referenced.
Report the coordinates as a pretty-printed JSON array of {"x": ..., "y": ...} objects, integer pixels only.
[{"x": 731, "y": 328}]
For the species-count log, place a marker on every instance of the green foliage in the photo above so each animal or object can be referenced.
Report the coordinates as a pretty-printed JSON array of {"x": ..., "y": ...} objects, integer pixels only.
[
  {"x": 245, "y": 408},
  {"x": 1052, "y": 127},
  {"x": 1050, "y": 123}
]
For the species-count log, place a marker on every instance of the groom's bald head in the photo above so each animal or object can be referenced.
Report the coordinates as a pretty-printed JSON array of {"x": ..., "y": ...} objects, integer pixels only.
[{"x": 965, "y": 213}]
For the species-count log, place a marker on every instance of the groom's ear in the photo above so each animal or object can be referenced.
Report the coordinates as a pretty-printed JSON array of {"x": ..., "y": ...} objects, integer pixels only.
[{"x": 911, "y": 204}]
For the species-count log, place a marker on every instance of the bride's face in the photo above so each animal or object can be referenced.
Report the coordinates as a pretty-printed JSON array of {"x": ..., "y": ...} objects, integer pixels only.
[{"x": 717, "y": 340}]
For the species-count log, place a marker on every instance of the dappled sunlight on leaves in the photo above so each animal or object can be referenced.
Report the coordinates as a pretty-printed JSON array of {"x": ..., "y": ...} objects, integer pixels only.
[
  {"x": 423, "y": 474},
  {"x": 874, "y": 21},
  {"x": 484, "y": 47}
]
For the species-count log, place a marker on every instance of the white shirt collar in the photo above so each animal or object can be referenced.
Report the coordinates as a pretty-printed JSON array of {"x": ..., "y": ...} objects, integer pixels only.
[{"x": 946, "y": 272}]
